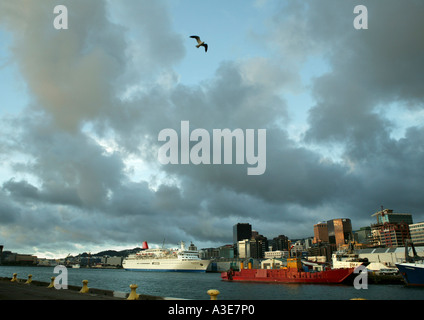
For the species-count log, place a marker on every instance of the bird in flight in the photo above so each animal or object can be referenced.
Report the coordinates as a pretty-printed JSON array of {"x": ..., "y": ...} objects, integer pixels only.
[{"x": 200, "y": 43}]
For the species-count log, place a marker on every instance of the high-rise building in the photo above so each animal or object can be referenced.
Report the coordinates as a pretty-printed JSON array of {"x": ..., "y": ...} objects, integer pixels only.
[
  {"x": 394, "y": 234},
  {"x": 243, "y": 249},
  {"x": 241, "y": 231},
  {"x": 258, "y": 246},
  {"x": 339, "y": 231},
  {"x": 280, "y": 243},
  {"x": 387, "y": 216},
  {"x": 391, "y": 229},
  {"x": 320, "y": 232},
  {"x": 363, "y": 235}
]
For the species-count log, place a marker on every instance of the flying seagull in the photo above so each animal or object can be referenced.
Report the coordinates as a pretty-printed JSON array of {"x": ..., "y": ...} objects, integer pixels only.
[{"x": 200, "y": 43}]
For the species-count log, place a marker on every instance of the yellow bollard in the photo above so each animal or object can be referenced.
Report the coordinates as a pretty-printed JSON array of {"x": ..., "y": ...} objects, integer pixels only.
[
  {"x": 51, "y": 285},
  {"x": 213, "y": 294},
  {"x": 29, "y": 279},
  {"x": 133, "y": 295},
  {"x": 14, "y": 279},
  {"x": 84, "y": 288}
]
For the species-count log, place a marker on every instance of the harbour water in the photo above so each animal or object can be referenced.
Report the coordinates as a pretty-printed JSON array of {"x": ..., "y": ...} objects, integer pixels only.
[{"x": 195, "y": 285}]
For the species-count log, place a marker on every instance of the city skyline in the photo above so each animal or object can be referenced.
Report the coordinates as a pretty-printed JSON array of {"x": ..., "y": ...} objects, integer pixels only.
[
  {"x": 253, "y": 231},
  {"x": 82, "y": 109}
]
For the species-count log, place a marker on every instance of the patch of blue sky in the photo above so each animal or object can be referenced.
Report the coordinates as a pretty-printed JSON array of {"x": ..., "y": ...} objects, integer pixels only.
[
  {"x": 401, "y": 117},
  {"x": 229, "y": 28},
  {"x": 300, "y": 102}
]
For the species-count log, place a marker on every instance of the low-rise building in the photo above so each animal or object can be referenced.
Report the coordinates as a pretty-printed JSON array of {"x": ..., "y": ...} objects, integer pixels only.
[
  {"x": 278, "y": 254},
  {"x": 272, "y": 264}
]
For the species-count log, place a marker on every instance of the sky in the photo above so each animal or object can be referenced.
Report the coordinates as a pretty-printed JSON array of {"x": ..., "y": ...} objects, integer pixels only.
[{"x": 81, "y": 110}]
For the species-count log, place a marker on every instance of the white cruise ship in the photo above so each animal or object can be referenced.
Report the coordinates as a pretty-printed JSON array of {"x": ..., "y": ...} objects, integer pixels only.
[{"x": 181, "y": 259}]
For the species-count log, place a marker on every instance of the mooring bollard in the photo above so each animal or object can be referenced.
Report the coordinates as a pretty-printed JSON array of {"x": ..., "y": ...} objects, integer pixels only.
[
  {"x": 213, "y": 294},
  {"x": 29, "y": 279},
  {"x": 133, "y": 294},
  {"x": 51, "y": 285},
  {"x": 14, "y": 279},
  {"x": 84, "y": 288}
]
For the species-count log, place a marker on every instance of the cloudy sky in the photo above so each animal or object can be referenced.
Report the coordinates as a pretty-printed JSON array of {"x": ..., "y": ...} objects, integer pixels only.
[{"x": 81, "y": 110}]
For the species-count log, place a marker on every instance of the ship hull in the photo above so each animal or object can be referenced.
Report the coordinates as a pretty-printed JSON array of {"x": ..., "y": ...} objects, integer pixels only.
[
  {"x": 333, "y": 276},
  {"x": 412, "y": 273}
]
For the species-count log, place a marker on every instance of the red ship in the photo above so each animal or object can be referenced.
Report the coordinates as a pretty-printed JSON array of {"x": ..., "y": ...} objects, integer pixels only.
[{"x": 292, "y": 274}]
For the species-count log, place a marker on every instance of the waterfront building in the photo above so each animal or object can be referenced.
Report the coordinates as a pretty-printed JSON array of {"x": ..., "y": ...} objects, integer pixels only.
[
  {"x": 320, "y": 232},
  {"x": 386, "y": 256},
  {"x": 226, "y": 251},
  {"x": 416, "y": 231},
  {"x": 209, "y": 253},
  {"x": 13, "y": 258}
]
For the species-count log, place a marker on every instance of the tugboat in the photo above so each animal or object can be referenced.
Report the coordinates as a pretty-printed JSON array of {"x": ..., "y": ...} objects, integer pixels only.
[
  {"x": 412, "y": 270},
  {"x": 293, "y": 273}
]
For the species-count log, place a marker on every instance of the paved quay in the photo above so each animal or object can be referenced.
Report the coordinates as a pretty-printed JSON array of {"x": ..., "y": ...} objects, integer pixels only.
[{"x": 39, "y": 291}]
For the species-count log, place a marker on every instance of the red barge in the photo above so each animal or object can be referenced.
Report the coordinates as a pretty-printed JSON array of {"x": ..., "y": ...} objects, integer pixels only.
[{"x": 292, "y": 274}]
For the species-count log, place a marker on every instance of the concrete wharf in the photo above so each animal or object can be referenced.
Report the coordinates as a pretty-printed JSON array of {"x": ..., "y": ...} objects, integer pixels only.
[{"x": 37, "y": 290}]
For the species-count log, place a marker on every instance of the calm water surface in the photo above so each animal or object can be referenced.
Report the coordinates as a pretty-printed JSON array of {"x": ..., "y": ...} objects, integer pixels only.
[{"x": 195, "y": 285}]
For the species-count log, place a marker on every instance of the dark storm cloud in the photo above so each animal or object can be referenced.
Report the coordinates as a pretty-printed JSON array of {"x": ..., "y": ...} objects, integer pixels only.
[{"x": 369, "y": 69}]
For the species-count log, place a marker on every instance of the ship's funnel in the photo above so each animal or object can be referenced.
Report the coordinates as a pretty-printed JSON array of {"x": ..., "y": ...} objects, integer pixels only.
[{"x": 145, "y": 245}]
